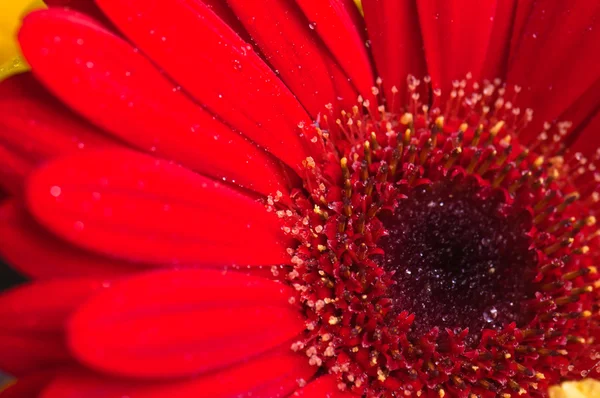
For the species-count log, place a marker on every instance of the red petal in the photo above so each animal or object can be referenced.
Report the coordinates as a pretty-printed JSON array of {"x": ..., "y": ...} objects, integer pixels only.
[
  {"x": 105, "y": 79},
  {"x": 180, "y": 323},
  {"x": 333, "y": 21},
  {"x": 221, "y": 70},
  {"x": 556, "y": 33},
  {"x": 498, "y": 50},
  {"x": 88, "y": 7},
  {"x": 279, "y": 370},
  {"x": 29, "y": 386},
  {"x": 588, "y": 139},
  {"x": 221, "y": 8},
  {"x": 44, "y": 306},
  {"x": 282, "y": 33},
  {"x": 521, "y": 18},
  {"x": 580, "y": 113},
  {"x": 13, "y": 170},
  {"x": 393, "y": 28},
  {"x": 25, "y": 354},
  {"x": 133, "y": 206},
  {"x": 456, "y": 35},
  {"x": 35, "y": 127},
  {"x": 323, "y": 387},
  {"x": 35, "y": 252}
]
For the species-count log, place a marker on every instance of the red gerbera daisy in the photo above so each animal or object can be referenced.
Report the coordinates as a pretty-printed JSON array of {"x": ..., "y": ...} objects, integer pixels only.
[{"x": 233, "y": 203}]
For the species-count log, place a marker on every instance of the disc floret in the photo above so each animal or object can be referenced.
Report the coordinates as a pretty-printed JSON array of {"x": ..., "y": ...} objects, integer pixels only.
[{"x": 356, "y": 266}]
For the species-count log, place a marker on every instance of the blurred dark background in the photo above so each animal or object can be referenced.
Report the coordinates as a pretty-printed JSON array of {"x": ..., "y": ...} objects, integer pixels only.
[{"x": 8, "y": 277}]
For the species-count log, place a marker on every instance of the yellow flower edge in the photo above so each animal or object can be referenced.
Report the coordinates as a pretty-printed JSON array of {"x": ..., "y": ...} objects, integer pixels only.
[
  {"x": 11, "y": 14},
  {"x": 588, "y": 388}
]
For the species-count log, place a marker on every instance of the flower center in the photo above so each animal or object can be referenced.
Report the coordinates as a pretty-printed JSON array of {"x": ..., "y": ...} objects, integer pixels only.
[
  {"x": 459, "y": 260},
  {"x": 435, "y": 254}
]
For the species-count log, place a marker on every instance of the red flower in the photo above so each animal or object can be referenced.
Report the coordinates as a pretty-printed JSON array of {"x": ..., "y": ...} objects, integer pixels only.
[{"x": 215, "y": 214}]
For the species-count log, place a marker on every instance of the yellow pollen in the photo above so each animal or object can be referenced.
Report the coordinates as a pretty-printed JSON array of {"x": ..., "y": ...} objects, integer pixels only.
[{"x": 407, "y": 118}]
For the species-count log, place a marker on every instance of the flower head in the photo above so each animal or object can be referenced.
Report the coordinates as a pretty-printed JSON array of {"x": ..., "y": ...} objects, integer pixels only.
[{"x": 232, "y": 203}]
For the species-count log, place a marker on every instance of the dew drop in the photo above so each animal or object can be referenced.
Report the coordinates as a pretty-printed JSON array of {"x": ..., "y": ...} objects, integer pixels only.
[{"x": 55, "y": 191}]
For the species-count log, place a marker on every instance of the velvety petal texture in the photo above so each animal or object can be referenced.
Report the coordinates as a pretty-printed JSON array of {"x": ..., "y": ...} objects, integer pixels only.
[
  {"x": 37, "y": 253},
  {"x": 336, "y": 24},
  {"x": 22, "y": 311},
  {"x": 181, "y": 323},
  {"x": 143, "y": 209},
  {"x": 23, "y": 354},
  {"x": 267, "y": 112},
  {"x": 549, "y": 37},
  {"x": 274, "y": 374},
  {"x": 32, "y": 323},
  {"x": 396, "y": 43},
  {"x": 35, "y": 127},
  {"x": 129, "y": 97},
  {"x": 285, "y": 37},
  {"x": 446, "y": 27}
]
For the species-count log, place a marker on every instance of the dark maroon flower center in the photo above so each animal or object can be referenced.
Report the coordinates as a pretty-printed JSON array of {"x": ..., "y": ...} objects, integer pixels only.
[
  {"x": 459, "y": 260},
  {"x": 437, "y": 254}
]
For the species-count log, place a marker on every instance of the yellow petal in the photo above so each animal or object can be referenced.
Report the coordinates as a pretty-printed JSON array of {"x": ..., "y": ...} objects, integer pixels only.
[
  {"x": 588, "y": 388},
  {"x": 11, "y": 14}
]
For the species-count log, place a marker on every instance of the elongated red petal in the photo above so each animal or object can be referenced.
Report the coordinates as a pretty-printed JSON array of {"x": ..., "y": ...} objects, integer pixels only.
[
  {"x": 521, "y": 17},
  {"x": 180, "y": 323},
  {"x": 221, "y": 70},
  {"x": 333, "y": 21},
  {"x": 35, "y": 127},
  {"x": 108, "y": 81},
  {"x": 554, "y": 34},
  {"x": 283, "y": 34},
  {"x": 13, "y": 170},
  {"x": 280, "y": 370},
  {"x": 133, "y": 206},
  {"x": 496, "y": 60},
  {"x": 323, "y": 387},
  {"x": 30, "y": 385},
  {"x": 23, "y": 354},
  {"x": 393, "y": 29},
  {"x": 87, "y": 7},
  {"x": 588, "y": 140},
  {"x": 447, "y": 27},
  {"x": 221, "y": 8},
  {"x": 44, "y": 306},
  {"x": 37, "y": 253}
]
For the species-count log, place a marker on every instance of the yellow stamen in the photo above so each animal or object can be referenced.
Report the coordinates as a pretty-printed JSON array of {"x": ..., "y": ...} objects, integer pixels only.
[
  {"x": 11, "y": 14},
  {"x": 587, "y": 388}
]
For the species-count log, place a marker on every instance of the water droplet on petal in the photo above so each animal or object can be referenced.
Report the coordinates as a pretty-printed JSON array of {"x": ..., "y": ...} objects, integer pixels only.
[{"x": 55, "y": 191}]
